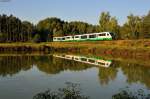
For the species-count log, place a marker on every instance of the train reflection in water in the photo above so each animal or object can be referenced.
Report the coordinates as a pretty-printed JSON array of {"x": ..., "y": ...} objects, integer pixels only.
[{"x": 87, "y": 60}]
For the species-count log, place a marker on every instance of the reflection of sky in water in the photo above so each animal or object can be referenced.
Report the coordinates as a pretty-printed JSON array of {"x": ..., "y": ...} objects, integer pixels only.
[{"x": 26, "y": 84}]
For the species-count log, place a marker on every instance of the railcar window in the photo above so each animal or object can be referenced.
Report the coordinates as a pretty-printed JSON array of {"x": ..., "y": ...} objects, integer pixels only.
[
  {"x": 76, "y": 58},
  {"x": 83, "y": 37},
  {"x": 68, "y": 37},
  {"x": 83, "y": 59},
  {"x": 107, "y": 34},
  {"x": 76, "y": 36},
  {"x": 92, "y": 36},
  {"x": 68, "y": 57},
  {"x": 103, "y": 34},
  {"x": 92, "y": 61},
  {"x": 101, "y": 63},
  {"x": 63, "y": 38},
  {"x": 58, "y": 38},
  {"x": 63, "y": 55}
]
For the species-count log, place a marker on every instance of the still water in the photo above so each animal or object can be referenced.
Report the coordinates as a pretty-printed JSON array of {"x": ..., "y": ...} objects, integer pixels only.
[{"x": 25, "y": 76}]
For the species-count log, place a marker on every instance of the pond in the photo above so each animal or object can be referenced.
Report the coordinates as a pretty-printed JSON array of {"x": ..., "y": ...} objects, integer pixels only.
[{"x": 25, "y": 76}]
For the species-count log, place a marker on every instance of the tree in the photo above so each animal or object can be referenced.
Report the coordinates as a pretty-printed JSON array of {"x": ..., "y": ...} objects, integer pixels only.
[
  {"x": 36, "y": 38},
  {"x": 104, "y": 21},
  {"x": 110, "y": 24},
  {"x": 146, "y": 26},
  {"x": 13, "y": 30},
  {"x": 132, "y": 27},
  {"x": 125, "y": 31},
  {"x": 52, "y": 25},
  {"x": 114, "y": 27},
  {"x": 27, "y": 29}
]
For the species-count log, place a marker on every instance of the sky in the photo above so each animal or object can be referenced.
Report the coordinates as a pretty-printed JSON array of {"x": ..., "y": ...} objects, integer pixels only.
[{"x": 74, "y": 10}]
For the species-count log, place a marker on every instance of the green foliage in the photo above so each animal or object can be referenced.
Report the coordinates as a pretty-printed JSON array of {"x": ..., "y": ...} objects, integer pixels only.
[
  {"x": 128, "y": 94},
  {"x": 146, "y": 26},
  {"x": 27, "y": 29},
  {"x": 108, "y": 23},
  {"x": 52, "y": 25},
  {"x": 36, "y": 38},
  {"x": 13, "y": 30},
  {"x": 132, "y": 28},
  {"x": 104, "y": 21},
  {"x": 135, "y": 27},
  {"x": 57, "y": 27},
  {"x": 71, "y": 91}
]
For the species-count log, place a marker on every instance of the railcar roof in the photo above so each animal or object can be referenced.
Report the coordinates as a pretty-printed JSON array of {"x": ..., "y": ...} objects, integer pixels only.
[{"x": 82, "y": 34}]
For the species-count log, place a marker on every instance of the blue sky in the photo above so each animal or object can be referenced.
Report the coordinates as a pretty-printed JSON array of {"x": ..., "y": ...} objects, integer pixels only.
[{"x": 71, "y": 10}]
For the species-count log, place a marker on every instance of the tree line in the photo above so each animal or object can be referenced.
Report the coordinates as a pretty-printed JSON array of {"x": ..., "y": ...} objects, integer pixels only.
[{"x": 12, "y": 29}]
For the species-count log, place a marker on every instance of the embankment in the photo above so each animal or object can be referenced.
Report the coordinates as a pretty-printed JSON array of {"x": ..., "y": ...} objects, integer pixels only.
[
  {"x": 135, "y": 49},
  {"x": 24, "y": 47},
  {"x": 118, "y": 48}
]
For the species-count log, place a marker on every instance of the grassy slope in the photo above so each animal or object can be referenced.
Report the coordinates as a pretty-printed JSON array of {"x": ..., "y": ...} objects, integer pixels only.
[
  {"x": 119, "y": 49},
  {"x": 120, "y": 44}
]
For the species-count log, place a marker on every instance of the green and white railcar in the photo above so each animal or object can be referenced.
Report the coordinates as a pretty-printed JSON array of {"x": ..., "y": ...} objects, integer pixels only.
[{"x": 86, "y": 37}]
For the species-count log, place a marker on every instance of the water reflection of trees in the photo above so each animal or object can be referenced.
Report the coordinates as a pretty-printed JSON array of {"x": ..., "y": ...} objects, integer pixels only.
[
  {"x": 133, "y": 72},
  {"x": 107, "y": 74},
  {"x": 10, "y": 65},
  {"x": 55, "y": 65},
  {"x": 136, "y": 73}
]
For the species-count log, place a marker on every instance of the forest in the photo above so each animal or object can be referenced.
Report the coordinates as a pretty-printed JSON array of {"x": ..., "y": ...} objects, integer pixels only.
[{"x": 12, "y": 29}]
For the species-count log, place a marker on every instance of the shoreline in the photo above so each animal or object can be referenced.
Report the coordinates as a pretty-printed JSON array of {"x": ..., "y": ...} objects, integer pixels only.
[{"x": 121, "y": 48}]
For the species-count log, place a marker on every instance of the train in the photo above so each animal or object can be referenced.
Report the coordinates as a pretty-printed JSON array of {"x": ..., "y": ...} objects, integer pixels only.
[{"x": 86, "y": 37}]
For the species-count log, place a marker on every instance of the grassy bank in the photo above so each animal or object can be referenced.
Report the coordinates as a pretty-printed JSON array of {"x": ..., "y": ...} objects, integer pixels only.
[
  {"x": 133, "y": 49},
  {"x": 144, "y": 43},
  {"x": 123, "y": 48}
]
